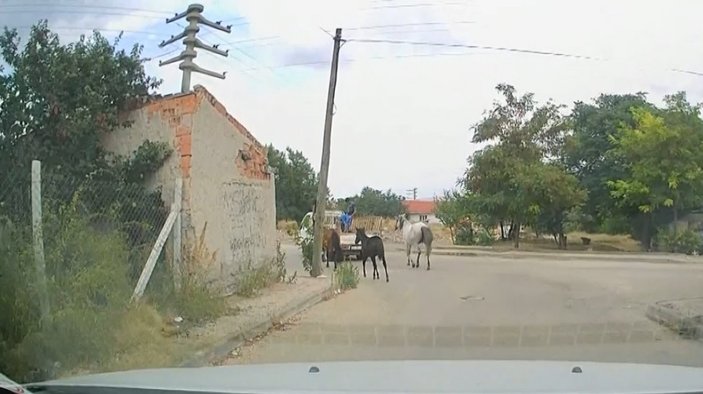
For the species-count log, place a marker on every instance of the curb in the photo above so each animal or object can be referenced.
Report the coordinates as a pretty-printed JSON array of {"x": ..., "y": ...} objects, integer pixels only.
[
  {"x": 685, "y": 326},
  {"x": 559, "y": 256},
  {"x": 222, "y": 349}
]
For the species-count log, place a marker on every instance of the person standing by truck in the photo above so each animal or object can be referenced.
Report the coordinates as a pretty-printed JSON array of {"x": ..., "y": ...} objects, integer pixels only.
[{"x": 351, "y": 209}]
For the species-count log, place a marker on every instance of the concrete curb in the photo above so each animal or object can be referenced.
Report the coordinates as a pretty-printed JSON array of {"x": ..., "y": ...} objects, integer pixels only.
[
  {"x": 222, "y": 348},
  {"x": 561, "y": 256},
  {"x": 687, "y": 327}
]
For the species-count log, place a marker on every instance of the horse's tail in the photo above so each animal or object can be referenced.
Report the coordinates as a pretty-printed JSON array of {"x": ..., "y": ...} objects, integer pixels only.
[{"x": 427, "y": 238}]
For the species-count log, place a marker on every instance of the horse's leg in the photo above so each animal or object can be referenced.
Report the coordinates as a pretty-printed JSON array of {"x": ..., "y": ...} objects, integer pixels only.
[
  {"x": 407, "y": 251},
  {"x": 419, "y": 252},
  {"x": 428, "y": 249},
  {"x": 385, "y": 267},
  {"x": 375, "y": 268},
  {"x": 363, "y": 265}
]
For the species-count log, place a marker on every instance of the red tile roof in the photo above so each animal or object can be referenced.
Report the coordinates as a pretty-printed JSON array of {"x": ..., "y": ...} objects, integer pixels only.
[{"x": 421, "y": 207}]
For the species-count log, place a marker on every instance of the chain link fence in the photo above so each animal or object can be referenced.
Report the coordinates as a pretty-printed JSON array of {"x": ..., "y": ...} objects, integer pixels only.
[{"x": 96, "y": 235}]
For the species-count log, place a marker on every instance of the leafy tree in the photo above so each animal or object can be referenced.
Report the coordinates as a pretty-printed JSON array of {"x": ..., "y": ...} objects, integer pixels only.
[
  {"x": 56, "y": 101},
  {"x": 664, "y": 155},
  {"x": 588, "y": 155},
  {"x": 558, "y": 193},
  {"x": 504, "y": 177},
  {"x": 296, "y": 183},
  {"x": 452, "y": 211},
  {"x": 377, "y": 203}
]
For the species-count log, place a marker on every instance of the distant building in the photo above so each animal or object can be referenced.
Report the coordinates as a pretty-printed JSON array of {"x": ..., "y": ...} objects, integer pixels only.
[{"x": 421, "y": 210}]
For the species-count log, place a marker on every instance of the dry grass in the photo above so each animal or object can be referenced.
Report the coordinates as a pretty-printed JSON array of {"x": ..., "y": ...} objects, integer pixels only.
[
  {"x": 289, "y": 227},
  {"x": 143, "y": 342},
  {"x": 599, "y": 243}
]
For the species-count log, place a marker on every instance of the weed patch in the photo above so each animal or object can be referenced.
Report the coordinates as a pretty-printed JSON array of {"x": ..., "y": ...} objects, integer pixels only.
[
  {"x": 347, "y": 276},
  {"x": 252, "y": 279}
]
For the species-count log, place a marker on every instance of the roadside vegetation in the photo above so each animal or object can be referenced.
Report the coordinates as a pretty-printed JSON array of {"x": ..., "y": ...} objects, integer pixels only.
[
  {"x": 99, "y": 220},
  {"x": 619, "y": 165}
]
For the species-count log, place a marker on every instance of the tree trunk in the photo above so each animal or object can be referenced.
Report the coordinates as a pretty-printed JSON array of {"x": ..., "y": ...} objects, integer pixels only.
[
  {"x": 562, "y": 241},
  {"x": 451, "y": 234},
  {"x": 502, "y": 231},
  {"x": 511, "y": 229},
  {"x": 646, "y": 233},
  {"x": 676, "y": 218},
  {"x": 516, "y": 234}
]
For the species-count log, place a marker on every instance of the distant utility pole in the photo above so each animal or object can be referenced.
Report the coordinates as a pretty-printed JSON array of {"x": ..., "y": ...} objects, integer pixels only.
[
  {"x": 194, "y": 17},
  {"x": 413, "y": 191},
  {"x": 325, "y": 165}
]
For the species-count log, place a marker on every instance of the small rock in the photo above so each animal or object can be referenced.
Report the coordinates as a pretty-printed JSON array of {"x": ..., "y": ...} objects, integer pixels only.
[
  {"x": 178, "y": 319},
  {"x": 236, "y": 352}
]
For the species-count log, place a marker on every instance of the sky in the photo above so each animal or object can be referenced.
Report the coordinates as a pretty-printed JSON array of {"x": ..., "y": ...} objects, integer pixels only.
[{"x": 403, "y": 112}]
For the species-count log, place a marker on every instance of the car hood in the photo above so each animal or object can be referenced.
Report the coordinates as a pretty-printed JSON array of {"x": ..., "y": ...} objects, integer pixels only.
[{"x": 395, "y": 376}]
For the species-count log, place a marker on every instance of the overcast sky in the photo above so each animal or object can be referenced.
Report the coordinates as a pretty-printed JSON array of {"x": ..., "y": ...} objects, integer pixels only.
[{"x": 403, "y": 112}]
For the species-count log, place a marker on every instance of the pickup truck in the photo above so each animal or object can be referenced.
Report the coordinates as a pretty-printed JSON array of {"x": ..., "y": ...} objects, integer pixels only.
[{"x": 332, "y": 221}]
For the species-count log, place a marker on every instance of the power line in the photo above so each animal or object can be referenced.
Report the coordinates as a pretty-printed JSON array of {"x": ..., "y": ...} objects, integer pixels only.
[
  {"x": 416, "y": 5},
  {"x": 43, "y": 7},
  {"x": 456, "y": 45},
  {"x": 80, "y": 12},
  {"x": 503, "y": 49},
  {"x": 405, "y": 25},
  {"x": 55, "y": 28},
  {"x": 126, "y": 12}
]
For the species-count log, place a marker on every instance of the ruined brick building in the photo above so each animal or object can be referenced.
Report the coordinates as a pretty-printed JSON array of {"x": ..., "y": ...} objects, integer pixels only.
[{"x": 226, "y": 180}]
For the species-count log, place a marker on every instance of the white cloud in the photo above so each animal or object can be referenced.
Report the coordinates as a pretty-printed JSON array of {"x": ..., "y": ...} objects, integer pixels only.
[{"x": 404, "y": 122}]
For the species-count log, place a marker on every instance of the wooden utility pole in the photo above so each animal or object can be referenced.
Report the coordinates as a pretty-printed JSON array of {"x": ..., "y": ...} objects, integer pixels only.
[
  {"x": 325, "y": 164},
  {"x": 193, "y": 15},
  {"x": 413, "y": 191}
]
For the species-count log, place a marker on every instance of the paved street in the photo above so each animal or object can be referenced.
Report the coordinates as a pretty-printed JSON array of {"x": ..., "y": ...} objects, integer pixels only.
[{"x": 494, "y": 308}]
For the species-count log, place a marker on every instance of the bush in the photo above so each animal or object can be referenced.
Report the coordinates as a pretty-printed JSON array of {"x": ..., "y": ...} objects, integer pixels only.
[
  {"x": 685, "y": 241},
  {"x": 88, "y": 289},
  {"x": 484, "y": 237},
  {"x": 251, "y": 279},
  {"x": 195, "y": 302},
  {"x": 464, "y": 236},
  {"x": 306, "y": 244},
  {"x": 347, "y": 276}
]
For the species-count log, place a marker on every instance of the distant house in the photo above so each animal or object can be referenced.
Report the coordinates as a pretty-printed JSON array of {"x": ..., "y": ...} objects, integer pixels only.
[{"x": 421, "y": 210}]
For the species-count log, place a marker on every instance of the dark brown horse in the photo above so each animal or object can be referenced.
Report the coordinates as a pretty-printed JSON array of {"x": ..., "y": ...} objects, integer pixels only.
[
  {"x": 371, "y": 247},
  {"x": 332, "y": 246}
]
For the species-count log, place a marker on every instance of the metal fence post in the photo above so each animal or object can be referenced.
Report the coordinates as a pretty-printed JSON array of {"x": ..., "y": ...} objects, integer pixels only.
[
  {"x": 177, "y": 234},
  {"x": 38, "y": 240}
]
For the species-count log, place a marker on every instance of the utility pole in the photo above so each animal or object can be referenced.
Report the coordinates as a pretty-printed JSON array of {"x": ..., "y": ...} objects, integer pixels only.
[
  {"x": 194, "y": 17},
  {"x": 413, "y": 191},
  {"x": 325, "y": 164}
]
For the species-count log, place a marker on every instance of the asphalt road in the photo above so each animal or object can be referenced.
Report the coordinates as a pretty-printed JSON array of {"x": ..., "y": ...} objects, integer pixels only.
[{"x": 494, "y": 308}]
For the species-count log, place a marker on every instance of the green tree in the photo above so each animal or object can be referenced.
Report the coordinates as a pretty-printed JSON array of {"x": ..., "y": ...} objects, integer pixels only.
[
  {"x": 377, "y": 203},
  {"x": 557, "y": 194},
  {"x": 588, "y": 155},
  {"x": 663, "y": 153},
  {"x": 57, "y": 101},
  {"x": 452, "y": 210},
  {"x": 296, "y": 183},
  {"x": 504, "y": 178}
]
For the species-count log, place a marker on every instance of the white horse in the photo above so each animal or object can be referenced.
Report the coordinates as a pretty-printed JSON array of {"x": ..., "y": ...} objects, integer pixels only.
[{"x": 415, "y": 234}]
